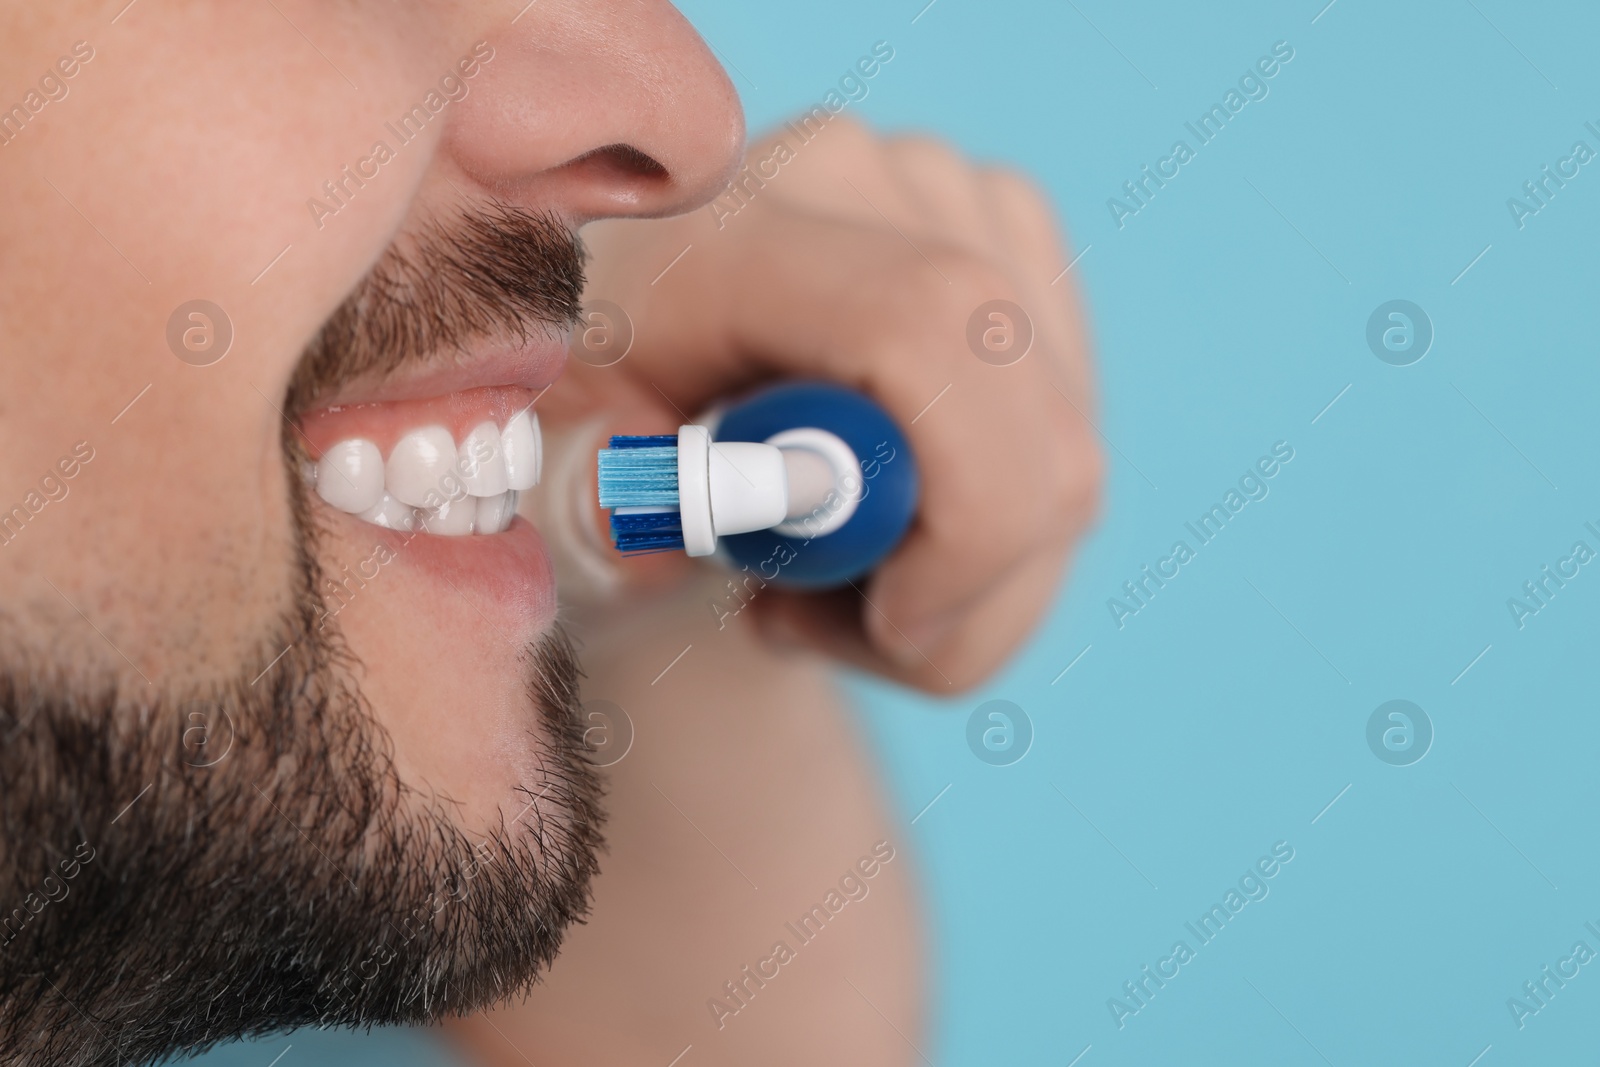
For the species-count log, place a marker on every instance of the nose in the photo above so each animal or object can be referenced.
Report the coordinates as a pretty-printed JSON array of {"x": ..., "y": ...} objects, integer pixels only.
[{"x": 596, "y": 108}]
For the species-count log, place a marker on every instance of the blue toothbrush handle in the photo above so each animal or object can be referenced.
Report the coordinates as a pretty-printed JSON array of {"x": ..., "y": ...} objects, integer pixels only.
[{"x": 889, "y": 480}]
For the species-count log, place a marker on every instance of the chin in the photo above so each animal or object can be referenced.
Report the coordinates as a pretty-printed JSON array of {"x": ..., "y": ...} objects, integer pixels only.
[{"x": 443, "y": 633}]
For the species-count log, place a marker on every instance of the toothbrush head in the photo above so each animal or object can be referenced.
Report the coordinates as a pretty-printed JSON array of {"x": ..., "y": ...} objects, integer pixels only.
[
  {"x": 638, "y": 478},
  {"x": 684, "y": 492}
]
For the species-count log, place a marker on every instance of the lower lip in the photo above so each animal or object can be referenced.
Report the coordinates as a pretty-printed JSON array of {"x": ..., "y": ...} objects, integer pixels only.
[{"x": 507, "y": 573}]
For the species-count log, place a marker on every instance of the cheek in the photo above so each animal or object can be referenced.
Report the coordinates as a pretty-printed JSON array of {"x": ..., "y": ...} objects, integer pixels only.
[{"x": 187, "y": 492}]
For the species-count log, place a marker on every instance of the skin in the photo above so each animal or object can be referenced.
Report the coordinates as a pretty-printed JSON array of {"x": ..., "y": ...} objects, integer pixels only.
[
  {"x": 672, "y": 921},
  {"x": 188, "y": 489},
  {"x": 754, "y": 748},
  {"x": 179, "y": 165}
]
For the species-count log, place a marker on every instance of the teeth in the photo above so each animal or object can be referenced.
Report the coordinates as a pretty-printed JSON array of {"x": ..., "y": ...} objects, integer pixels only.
[
  {"x": 483, "y": 461},
  {"x": 495, "y": 513},
  {"x": 520, "y": 443},
  {"x": 391, "y": 514},
  {"x": 420, "y": 469},
  {"x": 430, "y": 484},
  {"x": 350, "y": 475},
  {"x": 453, "y": 518}
]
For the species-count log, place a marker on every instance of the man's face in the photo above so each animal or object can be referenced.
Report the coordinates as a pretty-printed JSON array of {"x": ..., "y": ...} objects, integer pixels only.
[{"x": 273, "y": 274}]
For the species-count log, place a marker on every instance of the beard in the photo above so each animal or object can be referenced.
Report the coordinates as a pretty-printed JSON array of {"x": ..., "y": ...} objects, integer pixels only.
[{"x": 244, "y": 858}]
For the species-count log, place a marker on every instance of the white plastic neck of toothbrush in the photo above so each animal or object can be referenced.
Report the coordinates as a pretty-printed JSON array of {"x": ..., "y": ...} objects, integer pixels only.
[
  {"x": 694, "y": 490},
  {"x": 801, "y": 483}
]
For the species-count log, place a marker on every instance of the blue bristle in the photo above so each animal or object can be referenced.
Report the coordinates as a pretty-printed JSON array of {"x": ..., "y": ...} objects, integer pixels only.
[
  {"x": 639, "y": 472},
  {"x": 658, "y": 440},
  {"x": 638, "y": 478},
  {"x": 639, "y": 532}
]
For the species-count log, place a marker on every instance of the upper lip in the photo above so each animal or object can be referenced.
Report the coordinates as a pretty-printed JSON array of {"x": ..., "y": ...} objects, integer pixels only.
[{"x": 532, "y": 363}]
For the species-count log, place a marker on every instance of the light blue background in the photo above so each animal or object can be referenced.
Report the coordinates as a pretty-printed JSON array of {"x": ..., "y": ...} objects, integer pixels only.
[{"x": 1224, "y": 718}]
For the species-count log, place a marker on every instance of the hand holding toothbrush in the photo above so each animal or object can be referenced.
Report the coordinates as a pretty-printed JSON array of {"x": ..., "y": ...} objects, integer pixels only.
[{"x": 863, "y": 262}]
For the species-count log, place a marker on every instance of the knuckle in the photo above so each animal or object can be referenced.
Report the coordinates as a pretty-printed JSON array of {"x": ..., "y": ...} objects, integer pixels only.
[
  {"x": 1080, "y": 475},
  {"x": 763, "y": 146},
  {"x": 852, "y": 126},
  {"x": 917, "y": 282},
  {"x": 1018, "y": 192},
  {"x": 973, "y": 279},
  {"x": 927, "y": 154},
  {"x": 845, "y": 136},
  {"x": 928, "y": 300}
]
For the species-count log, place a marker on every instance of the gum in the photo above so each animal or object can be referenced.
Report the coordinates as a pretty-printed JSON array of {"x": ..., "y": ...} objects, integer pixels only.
[{"x": 385, "y": 423}]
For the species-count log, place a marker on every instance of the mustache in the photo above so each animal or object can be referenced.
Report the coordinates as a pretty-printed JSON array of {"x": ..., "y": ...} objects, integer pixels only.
[{"x": 495, "y": 271}]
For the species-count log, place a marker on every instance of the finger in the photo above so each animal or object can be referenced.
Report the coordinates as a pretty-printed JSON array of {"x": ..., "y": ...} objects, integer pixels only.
[
  {"x": 841, "y": 172},
  {"x": 825, "y": 306},
  {"x": 1030, "y": 232},
  {"x": 992, "y": 630},
  {"x": 1031, "y": 235},
  {"x": 894, "y": 326},
  {"x": 1023, "y": 217},
  {"x": 836, "y": 625},
  {"x": 946, "y": 193}
]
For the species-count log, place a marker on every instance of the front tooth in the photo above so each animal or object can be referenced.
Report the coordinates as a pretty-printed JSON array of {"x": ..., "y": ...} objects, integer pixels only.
[
  {"x": 483, "y": 461},
  {"x": 391, "y": 514},
  {"x": 520, "y": 443},
  {"x": 496, "y": 512},
  {"x": 350, "y": 475},
  {"x": 453, "y": 518},
  {"x": 419, "y": 471}
]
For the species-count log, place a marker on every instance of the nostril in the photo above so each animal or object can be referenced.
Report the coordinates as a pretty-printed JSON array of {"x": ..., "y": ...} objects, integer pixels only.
[{"x": 621, "y": 159}]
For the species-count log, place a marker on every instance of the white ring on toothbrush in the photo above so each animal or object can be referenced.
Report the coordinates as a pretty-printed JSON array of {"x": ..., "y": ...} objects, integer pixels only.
[
  {"x": 812, "y": 513},
  {"x": 694, "y": 491}
]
